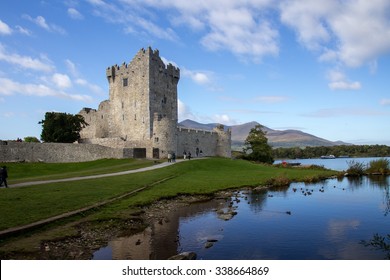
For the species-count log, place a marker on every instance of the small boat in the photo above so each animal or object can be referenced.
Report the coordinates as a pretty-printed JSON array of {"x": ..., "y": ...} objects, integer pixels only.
[
  {"x": 285, "y": 163},
  {"x": 328, "y": 157},
  {"x": 293, "y": 163}
]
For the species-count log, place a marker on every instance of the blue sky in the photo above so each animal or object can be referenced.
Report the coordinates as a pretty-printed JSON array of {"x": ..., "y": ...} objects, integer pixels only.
[{"x": 318, "y": 66}]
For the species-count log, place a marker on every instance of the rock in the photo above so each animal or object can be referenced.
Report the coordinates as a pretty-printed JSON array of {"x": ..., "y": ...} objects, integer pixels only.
[
  {"x": 212, "y": 240},
  {"x": 209, "y": 245},
  {"x": 184, "y": 256},
  {"x": 225, "y": 216}
]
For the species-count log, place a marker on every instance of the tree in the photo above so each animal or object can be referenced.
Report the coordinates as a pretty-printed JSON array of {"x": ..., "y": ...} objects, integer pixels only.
[
  {"x": 256, "y": 146},
  {"x": 61, "y": 127}
]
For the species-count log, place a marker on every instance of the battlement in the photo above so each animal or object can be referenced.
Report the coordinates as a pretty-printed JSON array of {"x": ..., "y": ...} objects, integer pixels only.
[
  {"x": 146, "y": 57},
  {"x": 194, "y": 130}
]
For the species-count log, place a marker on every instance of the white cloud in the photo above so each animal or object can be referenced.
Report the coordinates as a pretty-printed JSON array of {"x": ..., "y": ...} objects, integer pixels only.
[
  {"x": 72, "y": 68},
  {"x": 240, "y": 27},
  {"x": 75, "y": 73},
  {"x": 352, "y": 32},
  {"x": 41, "y": 22},
  {"x": 199, "y": 77},
  {"x": 75, "y": 14},
  {"x": 23, "y": 30},
  {"x": 133, "y": 19},
  {"x": 241, "y": 31},
  {"x": 61, "y": 80},
  {"x": 25, "y": 61},
  {"x": 224, "y": 119},
  {"x": 95, "y": 88},
  {"x": 184, "y": 112},
  {"x": 338, "y": 81},
  {"x": 344, "y": 85},
  {"x": 385, "y": 102},
  {"x": 10, "y": 87},
  {"x": 167, "y": 62},
  {"x": 4, "y": 28}
]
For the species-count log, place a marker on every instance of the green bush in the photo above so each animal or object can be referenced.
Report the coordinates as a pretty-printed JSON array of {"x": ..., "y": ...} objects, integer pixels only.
[
  {"x": 31, "y": 139},
  {"x": 379, "y": 166},
  {"x": 355, "y": 168}
]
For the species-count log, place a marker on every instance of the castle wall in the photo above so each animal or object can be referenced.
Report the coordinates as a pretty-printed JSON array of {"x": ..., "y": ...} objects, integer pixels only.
[
  {"x": 211, "y": 143},
  {"x": 57, "y": 152}
]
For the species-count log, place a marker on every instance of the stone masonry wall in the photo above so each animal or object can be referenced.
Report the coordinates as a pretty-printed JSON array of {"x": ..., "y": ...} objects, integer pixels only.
[
  {"x": 57, "y": 152},
  {"x": 189, "y": 140}
]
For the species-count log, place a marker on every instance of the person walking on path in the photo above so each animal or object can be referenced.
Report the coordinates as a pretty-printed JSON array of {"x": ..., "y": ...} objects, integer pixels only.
[{"x": 3, "y": 176}]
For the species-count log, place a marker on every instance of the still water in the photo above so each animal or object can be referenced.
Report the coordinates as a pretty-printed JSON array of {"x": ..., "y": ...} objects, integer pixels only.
[
  {"x": 326, "y": 220},
  {"x": 339, "y": 164}
]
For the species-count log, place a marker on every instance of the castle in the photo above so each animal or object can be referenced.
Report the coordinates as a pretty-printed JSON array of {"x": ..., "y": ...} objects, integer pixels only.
[{"x": 141, "y": 115}]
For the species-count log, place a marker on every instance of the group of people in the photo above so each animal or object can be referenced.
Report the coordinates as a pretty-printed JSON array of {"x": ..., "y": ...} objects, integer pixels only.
[
  {"x": 172, "y": 156},
  {"x": 3, "y": 176}
]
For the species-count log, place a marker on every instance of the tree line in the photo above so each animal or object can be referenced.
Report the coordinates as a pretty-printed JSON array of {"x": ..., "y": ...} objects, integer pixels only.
[{"x": 338, "y": 151}]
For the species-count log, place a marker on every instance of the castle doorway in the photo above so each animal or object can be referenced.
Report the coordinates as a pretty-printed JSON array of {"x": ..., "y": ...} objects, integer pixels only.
[
  {"x": 139, "y": 153},
  {"x": 156, "y": 153}
]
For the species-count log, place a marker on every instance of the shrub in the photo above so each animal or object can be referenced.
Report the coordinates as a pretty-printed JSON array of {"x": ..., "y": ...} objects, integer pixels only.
[
  {"x": 355, "y": 168},
  {"x": 31, "y": 139},
  {"x": 279, "y": 181},
  {"x": 379, "y": 166}
]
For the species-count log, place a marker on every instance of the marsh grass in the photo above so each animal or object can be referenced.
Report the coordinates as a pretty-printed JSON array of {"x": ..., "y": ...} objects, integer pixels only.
[
  {"x": 355, "y": 168},
  {"x": 379, "y": 166},
  {"x": 29, "y": 204}
]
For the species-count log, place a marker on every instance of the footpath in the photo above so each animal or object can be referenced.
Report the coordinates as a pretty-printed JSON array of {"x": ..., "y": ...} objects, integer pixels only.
[
  {"x": 153, "y": 167},
  {"x": 19, "y": 229}
]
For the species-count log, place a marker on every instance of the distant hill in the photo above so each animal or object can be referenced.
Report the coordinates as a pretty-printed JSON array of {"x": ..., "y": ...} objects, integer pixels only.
[{"x": 276, "y": 138}]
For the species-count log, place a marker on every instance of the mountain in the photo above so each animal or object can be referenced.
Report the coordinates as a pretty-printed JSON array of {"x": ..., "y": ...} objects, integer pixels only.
[{"x": 276, "y": 138}]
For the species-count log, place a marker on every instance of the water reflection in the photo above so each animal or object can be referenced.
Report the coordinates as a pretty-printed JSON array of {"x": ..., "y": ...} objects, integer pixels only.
[{"x": 276, "y": 223}]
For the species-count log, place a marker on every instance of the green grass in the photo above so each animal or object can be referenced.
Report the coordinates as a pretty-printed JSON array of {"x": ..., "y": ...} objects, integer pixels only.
[
  {"x": 25, "y": 205},
  {"x": 27, "y": 172}
]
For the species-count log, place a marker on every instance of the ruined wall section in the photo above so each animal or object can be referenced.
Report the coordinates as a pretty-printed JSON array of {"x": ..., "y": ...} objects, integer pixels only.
[
  {"x": 58, "y": 152},
  {"x": 223, "y": 146},
  {"x": 98, "y": 121}
]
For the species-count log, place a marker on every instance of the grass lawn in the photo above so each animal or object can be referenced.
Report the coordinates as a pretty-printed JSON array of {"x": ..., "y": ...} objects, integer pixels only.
[
  {"x": 25, "y": 205},
  {"x": 27, "y": 172}
]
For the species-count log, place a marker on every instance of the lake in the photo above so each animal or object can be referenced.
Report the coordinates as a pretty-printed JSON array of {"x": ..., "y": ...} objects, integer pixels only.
[
  {"x": 327, "y": 220},
  {"x": 339, "y": 164}
]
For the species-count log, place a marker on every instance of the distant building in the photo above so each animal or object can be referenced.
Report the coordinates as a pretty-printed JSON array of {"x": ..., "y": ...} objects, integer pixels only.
[{"x": 142, "y": 112}]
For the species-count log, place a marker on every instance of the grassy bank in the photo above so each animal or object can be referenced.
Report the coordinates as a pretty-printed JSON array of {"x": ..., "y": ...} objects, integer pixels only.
[{"x": 29, "y": 204}]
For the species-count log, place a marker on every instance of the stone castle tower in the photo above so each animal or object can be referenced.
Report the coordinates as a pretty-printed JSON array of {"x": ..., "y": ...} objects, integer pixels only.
[{"x": 141, "y": 114}]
